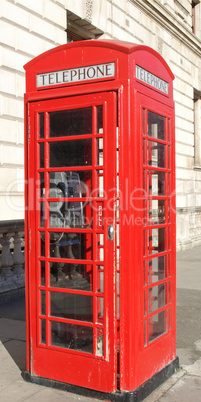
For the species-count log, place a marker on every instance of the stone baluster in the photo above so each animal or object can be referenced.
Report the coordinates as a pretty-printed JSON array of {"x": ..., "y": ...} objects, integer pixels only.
[
  {"x": 18, "y": 256},
  {"x": 6, "y": 257}
]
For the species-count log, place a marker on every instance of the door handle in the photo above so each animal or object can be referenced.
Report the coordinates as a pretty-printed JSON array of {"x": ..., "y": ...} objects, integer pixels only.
[{"x": 110, "y": 232}]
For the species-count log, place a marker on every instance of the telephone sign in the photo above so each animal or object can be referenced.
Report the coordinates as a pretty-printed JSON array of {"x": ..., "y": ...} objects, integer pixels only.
[
  {"x": 100, "y": 255},
  {"x": 76, "y": 75}
]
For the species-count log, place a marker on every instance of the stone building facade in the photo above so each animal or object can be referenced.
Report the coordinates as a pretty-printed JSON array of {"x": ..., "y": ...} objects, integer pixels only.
[{"x": 171, "y": 27}]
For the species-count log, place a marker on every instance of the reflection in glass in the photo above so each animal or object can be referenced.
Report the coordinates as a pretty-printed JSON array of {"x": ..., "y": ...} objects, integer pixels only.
[
  {"x": 76, "y": 184},
  {"x": 99, "y": 119},
  {"x": 42, "y": 214},
  {"x": 145, "y": 333},
  {"x": 156, "y": 154},
  {"x": 43, "y": 331},
  {"x": 42, "y": 185},
  {"x": 144, "y": 121},
  {"x": 71, "y": 276},
  {"x": 145, "y": 303},
  {"x": 71, "y": 153},
  {"x": 169, "y": 318},
  {"x": 156, "y": 241},
  {"x": 70, "y": 336},
  {"x": 70, "y": 214},
  {"x": 42, "y": 273},
  {"x": 99, "y": 151},
  {"x": 72, "y": 306},
  {"x": 156, "y": 212},
  {"x": 42, "y": 244},
  {"x": 43, "y": 302},
  {"x": 100, "y": 340},
  {"x": 100, "y": 247},
  {"x": 100, "y": 278},
  {"x": 157, "y": 325},
  {"x": 156, "y": 183},
  {"x": 157, "y": 297},
  {"x": 144, "y": 273},
  {"x": 100, "y": 309},
  {"x": 41, "y": 145},
  {"x": 99, "y": 183},
  {"x": 156, "y": 125},
  {"x": 71, "y": 122},
  {"x": 157, "y": 269},
  {"x": 41, "y": 124},
  {"x": 71, "y": 245},
  {"x": 144, "y": 152}
]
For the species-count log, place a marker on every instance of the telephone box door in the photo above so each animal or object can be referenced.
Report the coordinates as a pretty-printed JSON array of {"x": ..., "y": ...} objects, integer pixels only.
[{"x": 71, "y": 203}]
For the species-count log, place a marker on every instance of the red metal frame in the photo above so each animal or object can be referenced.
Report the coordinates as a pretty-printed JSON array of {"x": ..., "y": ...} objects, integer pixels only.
[
  {"x": 126, "y": 329},
  {"x": 55, "y": 360}
]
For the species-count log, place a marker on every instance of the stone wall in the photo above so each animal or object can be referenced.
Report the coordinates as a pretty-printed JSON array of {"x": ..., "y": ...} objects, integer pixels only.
[{"x": 28, "y": 28}]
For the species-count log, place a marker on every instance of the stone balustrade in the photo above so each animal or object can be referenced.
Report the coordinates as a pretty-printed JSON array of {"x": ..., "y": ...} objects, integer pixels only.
[{"x": 12, "y": 274}]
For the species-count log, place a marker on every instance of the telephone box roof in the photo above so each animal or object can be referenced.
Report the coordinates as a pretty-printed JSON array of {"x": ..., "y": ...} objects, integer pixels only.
[{"x": 120, "y": 46}]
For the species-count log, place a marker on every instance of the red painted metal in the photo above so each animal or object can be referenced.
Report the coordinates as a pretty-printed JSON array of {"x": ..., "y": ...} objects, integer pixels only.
[{"x": 134, "y": 312}]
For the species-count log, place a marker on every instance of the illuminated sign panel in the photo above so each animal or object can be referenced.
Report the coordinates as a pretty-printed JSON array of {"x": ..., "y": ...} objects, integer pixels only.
[
  {"x": 151, "y": 79},
  {"x": 73, "y": 75}
]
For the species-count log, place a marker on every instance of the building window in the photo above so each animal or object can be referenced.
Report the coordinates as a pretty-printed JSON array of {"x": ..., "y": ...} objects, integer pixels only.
[
  {"x": 80, "y": 29},
  {"x": 197, "y": 129},
  {"x": 196, "y": 17}
]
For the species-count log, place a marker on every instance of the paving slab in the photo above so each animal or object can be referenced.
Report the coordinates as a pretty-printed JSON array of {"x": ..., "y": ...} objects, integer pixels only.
[{"x": 187, "y": 389}]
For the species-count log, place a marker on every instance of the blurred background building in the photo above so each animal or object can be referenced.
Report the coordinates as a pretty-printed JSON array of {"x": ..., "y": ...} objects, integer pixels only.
[{"x": 171, "y": 27}]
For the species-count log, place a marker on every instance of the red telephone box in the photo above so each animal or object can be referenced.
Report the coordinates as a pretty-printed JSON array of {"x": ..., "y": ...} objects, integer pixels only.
[{"x": 100, "y": 219}]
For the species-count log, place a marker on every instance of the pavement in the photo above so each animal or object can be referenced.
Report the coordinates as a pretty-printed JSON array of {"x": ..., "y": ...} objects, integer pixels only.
[{"x": 183, "y": 386}]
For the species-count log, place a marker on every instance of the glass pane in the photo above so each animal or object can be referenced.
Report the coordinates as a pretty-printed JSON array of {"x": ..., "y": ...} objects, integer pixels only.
[
  {"x": 100, "y": 247},
  {"x": 71, "y": 276},
  {"x": 100, "y": 310},
  {"x": 100, "y": 278},
  {"x": 72, "y": 336},
  {"x": 145, "y": 333},
  {"x": 42, "y": 185},
  {"x": 156, "y": 212},
  {"x": 144, "y": 152},
  {"x": 43, "y": 302},
  {"x": 157, "y": 269},
  {"x": 100, "y": 119},
  {"x": 71, "y": 245},
  {"x": 99, "y": 142},
  {"x": 42, "y": 273},
  {"x": 99, "y": 192},
  {"x": 41, "y": 145},
  {"x": 71, "y": 214},
  {"x": 144, "y": 121},
  {"x": 144, "y": 273},
  {"x": 145, "y": 303},
  {"x": 100, "y": 344},
  {"x": 170, "y": 319},
  {"x": 42, "y": 214},
  {"x": 157, "y": 297},
  {"x": 71, "y": 153},
  {"x": 156, "y": 154},
  {"x": 144, "y": 242},
  {"x": 43, "y": 331},
  {"x": 72, "y": 306},
  {"x": 156, "y": 183},
  {"x": 157, "y": 325},
  {"x": 42, "y": 244},
  {"x": 73, "y": 184},
  {"x": 169, "y": 130},
  {"x": 156, "y": 125},
  {"x": 156, "y": 241},
  {"x": 41, "y": 124},
  {"x": 71, "y": 122}
]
